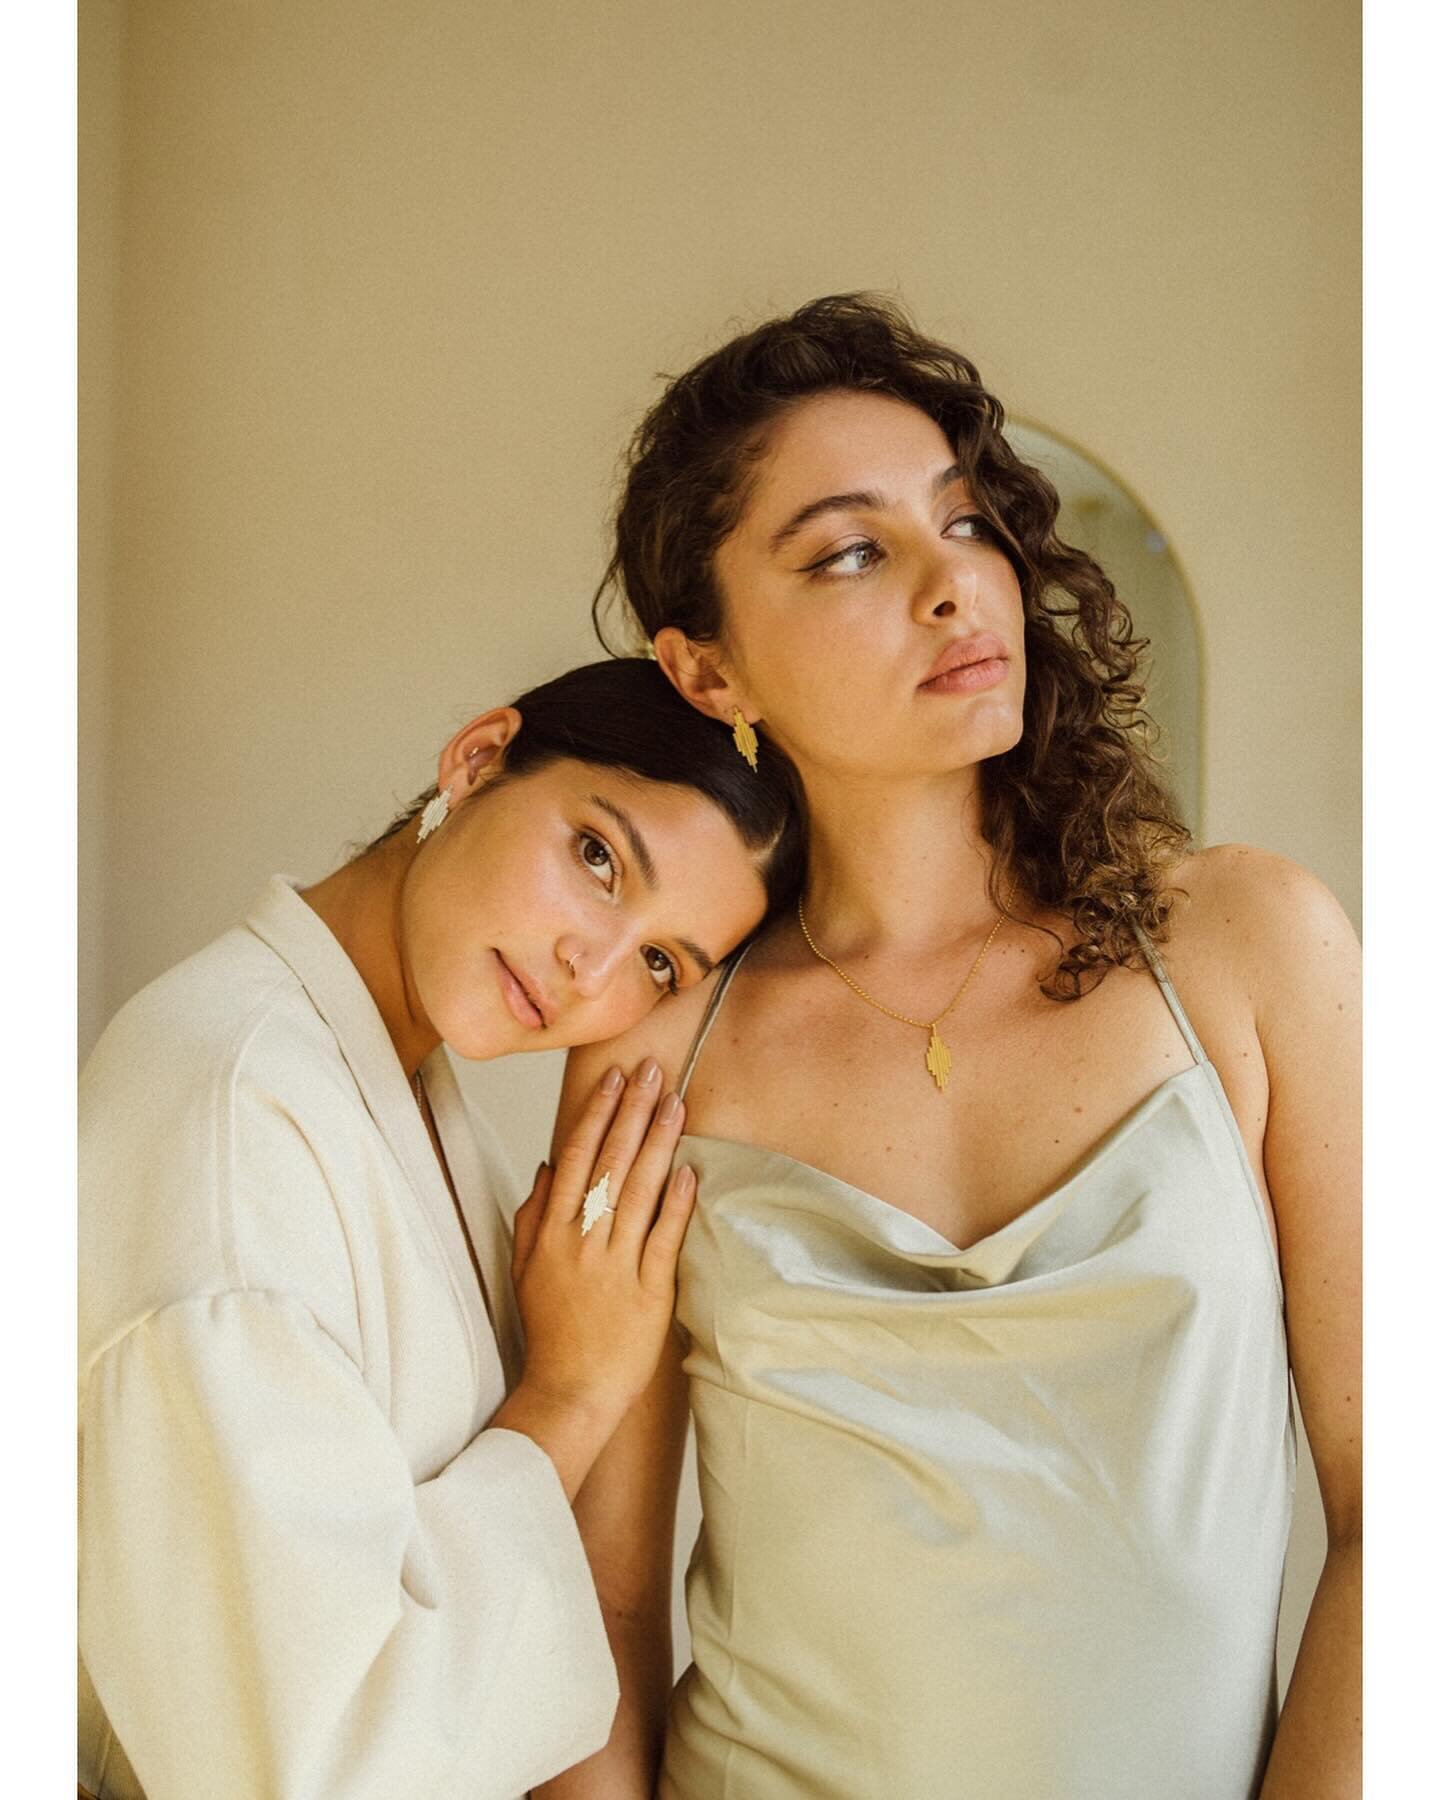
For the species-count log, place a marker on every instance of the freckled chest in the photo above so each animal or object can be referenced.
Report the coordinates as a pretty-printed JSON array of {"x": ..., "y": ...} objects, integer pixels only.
[{"x": 799, "y": 1064}]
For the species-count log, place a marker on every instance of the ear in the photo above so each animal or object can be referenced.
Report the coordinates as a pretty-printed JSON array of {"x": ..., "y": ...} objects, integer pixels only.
[
  {"x": 697, "y": 673},
  {"x": 476, "y": 751}
]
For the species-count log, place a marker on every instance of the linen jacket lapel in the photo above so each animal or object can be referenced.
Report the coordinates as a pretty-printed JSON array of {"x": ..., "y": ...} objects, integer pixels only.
[{"x": 297, "y": 934}]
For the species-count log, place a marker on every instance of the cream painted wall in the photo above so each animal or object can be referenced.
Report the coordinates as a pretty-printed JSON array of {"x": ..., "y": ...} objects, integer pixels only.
[
  {"x": 101, "y": 45},
  {"x": 395, "y": 280}
]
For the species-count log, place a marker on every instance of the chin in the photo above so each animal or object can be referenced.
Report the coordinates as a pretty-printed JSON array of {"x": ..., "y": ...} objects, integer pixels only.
[
  {"x": 999, "y": 730},
  {"x": 474, "y": 1046},
  {"x": 475, "y": 1036},
  {"x": 979, "y": 746}
]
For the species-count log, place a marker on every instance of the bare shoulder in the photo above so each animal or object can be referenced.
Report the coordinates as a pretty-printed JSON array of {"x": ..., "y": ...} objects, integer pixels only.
[
  {"x": 665, "y": 1033},
  {"x": 1267, "y": 921},
  {"x": 1257, "y": 899}
]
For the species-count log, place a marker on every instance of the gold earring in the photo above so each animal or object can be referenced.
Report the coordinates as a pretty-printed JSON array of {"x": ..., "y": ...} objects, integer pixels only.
[{"x": 746, "y": 741}]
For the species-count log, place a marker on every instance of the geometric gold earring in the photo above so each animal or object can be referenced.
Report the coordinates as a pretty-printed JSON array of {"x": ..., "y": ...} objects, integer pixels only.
[{"x": 746, "y": 741}]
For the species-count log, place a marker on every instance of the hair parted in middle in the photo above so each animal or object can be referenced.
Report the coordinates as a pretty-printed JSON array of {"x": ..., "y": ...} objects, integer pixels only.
[{"x": 1078, "y": 812}]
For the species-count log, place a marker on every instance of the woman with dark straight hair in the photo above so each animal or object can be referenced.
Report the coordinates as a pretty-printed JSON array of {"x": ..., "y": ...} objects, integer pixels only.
[
  {"x": 326, "y": 1539},
  {"x": 1008, "y": 1132}
]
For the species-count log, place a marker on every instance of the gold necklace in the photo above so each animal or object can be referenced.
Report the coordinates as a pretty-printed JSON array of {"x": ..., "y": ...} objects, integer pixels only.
[{"x": 937, "y": 1052}]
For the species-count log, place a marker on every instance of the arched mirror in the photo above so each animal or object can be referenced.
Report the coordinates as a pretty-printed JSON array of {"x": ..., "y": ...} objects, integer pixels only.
[{"x": 1102, "y": 518}]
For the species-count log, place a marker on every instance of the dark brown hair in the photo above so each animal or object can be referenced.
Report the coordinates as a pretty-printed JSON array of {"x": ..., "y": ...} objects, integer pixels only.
[
  {"x": 1077, "y": 812},
  {"x": 623, "y": 714}
]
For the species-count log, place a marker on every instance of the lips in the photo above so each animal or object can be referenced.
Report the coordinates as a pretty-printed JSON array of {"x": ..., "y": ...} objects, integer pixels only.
[
  {"x": 524, "y": 999},
  {"x": 978, "y": 654}
]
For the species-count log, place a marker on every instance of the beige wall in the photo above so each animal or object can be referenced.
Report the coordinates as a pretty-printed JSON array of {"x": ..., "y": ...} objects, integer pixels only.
[
  {"x": 393, "y": 281},
  {"x": 99, "y": 102}
]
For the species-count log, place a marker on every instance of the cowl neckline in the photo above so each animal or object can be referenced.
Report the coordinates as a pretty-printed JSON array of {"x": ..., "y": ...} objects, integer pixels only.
[{"x": 993, "y": 1257}]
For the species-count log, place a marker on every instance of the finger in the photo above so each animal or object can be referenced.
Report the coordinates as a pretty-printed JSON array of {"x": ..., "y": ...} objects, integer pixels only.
[
  {"x": 625, "y": 1136},
  {"x": 576, "y": 1160},
  {"x": 528, "y": 1217},
  {"x": 645, "y": 1183},
  {"x": 667, "y": 1234}
]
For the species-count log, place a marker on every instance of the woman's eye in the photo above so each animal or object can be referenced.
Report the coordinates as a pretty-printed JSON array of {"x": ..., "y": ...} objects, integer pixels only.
[
  {"x": 854, "y": 559},
  {"x": 598, "y": 857},
  {"x": 969, "y": 525},
  {"x": 661, "y": 967}
]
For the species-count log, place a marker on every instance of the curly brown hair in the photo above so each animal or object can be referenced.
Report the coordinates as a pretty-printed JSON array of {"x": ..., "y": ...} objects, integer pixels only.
[{"x": 1078, "y": 813}]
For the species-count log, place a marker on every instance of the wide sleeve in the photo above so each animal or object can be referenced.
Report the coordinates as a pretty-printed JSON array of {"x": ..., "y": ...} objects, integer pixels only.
[{"x": 271, "y": 1605}]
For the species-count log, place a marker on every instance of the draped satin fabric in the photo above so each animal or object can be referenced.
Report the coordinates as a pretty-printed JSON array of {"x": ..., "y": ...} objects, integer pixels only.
[{"x": 1005, "y": 1522}]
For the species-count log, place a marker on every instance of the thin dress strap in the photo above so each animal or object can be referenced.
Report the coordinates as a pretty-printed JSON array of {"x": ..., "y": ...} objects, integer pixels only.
[
  {"x": 727, "y": 975},
  {"x": 1172, "y": 999}
]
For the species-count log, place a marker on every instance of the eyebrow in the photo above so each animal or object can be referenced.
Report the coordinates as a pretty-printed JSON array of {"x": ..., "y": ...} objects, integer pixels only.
[
  {"x": 639, "y": 849},
  {"x": 645, "y": 862},
  {"x": 706, "y": 962},
  {"x": 861, "y": 498}
]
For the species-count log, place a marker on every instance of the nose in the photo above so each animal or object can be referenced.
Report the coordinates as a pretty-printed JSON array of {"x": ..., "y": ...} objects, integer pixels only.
[
  {"x": 592, "y": 960},
  {"x": 948, "y": 586}
]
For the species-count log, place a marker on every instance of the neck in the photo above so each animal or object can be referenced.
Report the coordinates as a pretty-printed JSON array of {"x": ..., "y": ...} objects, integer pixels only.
[
  {"x": 361, "y": 905},
  {"x": 896, "y": 866}
]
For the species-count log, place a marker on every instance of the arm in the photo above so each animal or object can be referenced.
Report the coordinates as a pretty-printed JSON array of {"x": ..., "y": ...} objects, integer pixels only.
[
  {"x": 272, "y": 1603},
  {"x": 626, "y": 1513},
  {"x": 1304, "y": 969}
]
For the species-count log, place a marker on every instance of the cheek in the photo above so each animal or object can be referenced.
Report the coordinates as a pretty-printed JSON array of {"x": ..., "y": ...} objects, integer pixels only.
[
  {"x": 462, "y": 1005},
  {"x": 811, "y": 671},
  {"x": 770, "y": 639},
  {"x": 623, "y": 1005},
  {"x": 449, "y": 923},
  {"x": 631, "y": 1009}
]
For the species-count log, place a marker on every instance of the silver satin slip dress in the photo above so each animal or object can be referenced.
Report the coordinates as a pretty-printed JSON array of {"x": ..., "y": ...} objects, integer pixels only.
[{"x": 1005, "y": 1522}]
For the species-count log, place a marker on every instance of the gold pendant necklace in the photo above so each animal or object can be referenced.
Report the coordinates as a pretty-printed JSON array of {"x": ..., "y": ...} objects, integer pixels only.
[{"x": 937, "y": 1051}]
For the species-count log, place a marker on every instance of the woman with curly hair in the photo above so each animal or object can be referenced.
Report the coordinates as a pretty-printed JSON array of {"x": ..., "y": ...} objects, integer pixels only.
[{"x": 1007, "y": 1136}]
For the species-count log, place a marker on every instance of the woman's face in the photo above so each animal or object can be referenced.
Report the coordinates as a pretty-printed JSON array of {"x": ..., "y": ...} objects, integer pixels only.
[
  {"x": 557, "y": 908},
  {"x": 872, "y": 619}
]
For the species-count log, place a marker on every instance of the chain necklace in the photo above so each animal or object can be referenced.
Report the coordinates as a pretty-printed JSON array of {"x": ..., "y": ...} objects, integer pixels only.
[{"x": 937, "y": 1051}]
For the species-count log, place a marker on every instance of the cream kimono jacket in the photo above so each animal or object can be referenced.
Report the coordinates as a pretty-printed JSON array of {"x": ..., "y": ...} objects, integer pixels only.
[{"x": 306, "y": 1566}]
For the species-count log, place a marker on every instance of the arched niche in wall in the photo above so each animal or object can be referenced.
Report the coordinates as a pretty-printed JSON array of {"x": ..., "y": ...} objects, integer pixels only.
[{"x": 1101, "y": 517}]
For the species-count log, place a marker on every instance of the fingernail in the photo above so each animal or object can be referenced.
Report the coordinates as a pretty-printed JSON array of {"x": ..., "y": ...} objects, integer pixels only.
[
  {"x": 669, "y": 1109},
  {"x": 610, "y": 1081},
  {"x": 647, "y": 1072},
  {"x": 685, "y": 1181},
  {"x": 539, "y": 1171}
]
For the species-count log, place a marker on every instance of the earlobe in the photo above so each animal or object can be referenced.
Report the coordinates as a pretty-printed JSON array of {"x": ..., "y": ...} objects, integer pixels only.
[{"x": 691, "y": 670}]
